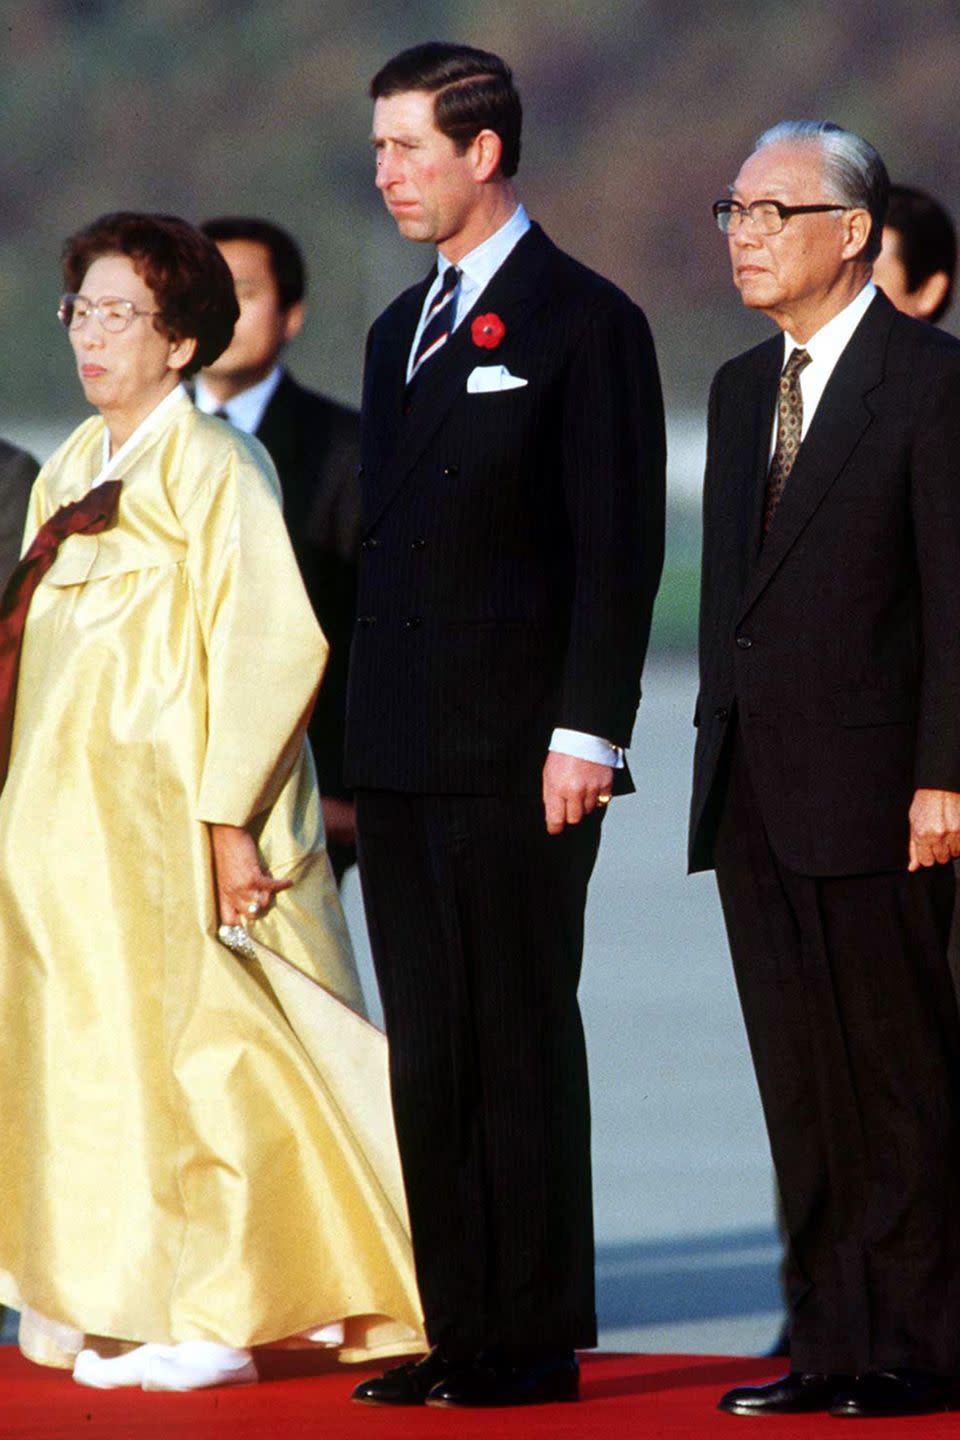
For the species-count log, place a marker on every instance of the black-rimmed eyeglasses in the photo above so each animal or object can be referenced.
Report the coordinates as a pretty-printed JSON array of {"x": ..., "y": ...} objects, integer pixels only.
[
  {"x": 766, "y": 216},
  {"x": 110, "y": 312}
]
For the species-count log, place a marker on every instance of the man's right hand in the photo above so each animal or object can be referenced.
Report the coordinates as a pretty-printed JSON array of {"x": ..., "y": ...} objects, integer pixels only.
[{"x": 934, "y": 828}]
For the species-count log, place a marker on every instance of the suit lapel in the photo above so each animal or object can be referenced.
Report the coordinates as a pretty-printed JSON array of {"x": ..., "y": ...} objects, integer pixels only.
[
  {"x": 762, "y": 404},
  {"x": 842, "y": 416},
  {"x": 385, "y": 379},
  {"x": 276, "y": 429},
  {"x": 514, "y": 293}
]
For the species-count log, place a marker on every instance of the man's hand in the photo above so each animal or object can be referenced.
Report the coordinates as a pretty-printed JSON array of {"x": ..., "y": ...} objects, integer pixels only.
[
  {"x": 571, "y": 789},
  {"x": 934, "y": 828}
]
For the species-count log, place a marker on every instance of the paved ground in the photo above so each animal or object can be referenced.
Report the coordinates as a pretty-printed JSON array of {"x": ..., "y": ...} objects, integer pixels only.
[{"x": 687, "y": 1253}]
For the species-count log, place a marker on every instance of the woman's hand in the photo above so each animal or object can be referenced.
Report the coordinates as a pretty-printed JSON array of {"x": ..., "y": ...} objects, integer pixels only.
[{"x": 244, "y": 888}]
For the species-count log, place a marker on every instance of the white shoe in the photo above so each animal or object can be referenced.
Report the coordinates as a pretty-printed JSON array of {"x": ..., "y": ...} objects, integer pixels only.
[
  {"x": 195, "y": 1364},
  {"x": 111, "y": 1373}
]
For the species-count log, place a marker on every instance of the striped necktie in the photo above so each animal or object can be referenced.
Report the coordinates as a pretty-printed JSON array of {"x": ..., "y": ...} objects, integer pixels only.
[{"x": 439, "y": 321}]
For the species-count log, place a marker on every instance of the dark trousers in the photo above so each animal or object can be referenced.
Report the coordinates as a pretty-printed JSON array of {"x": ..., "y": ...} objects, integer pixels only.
[
  {"x": 475, "y": 917},
  {"x": 855, "y": 1037}
]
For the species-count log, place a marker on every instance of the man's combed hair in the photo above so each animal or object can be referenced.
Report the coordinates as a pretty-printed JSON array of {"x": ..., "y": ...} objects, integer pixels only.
[
  {"x": 473, "y": 91},
  {"x": 186, "y": 273},
  {"x": 853, "y": 171},
  {"x": 286, "y": 258},
  {"x": 926, "y": 240}
]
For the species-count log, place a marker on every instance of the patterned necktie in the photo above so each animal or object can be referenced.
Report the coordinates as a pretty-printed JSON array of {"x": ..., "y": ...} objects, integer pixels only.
[
  {"x": 88, "y": 516},
  {"x": 439, "y": 320},
  {"x": 789, "y": 428}
]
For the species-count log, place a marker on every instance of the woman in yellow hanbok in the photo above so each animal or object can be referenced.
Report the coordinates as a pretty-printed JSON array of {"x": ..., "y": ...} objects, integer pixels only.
[{"x": 194, "y": 1161}]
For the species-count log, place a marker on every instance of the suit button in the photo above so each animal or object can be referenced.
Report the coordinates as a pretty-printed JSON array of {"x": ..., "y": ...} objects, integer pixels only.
[
  {"x": 418, "y": 545},
  {"x": 413, "y": 623},
  {"x": 744, "y": 642},
  {"x": 450, "y": 471},
  {"x": 366, "y": 619},
  {"x": 360, "y": 472},
  {"x": 370, "y": 543},
  {"x": 722, "y": 713}
]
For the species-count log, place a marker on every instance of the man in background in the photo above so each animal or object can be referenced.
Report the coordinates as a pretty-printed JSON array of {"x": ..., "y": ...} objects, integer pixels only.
[
  {"x": 314, "y": 443},
  {"x": 18, "y": 471},
  {"x": 918, "y": 258}
]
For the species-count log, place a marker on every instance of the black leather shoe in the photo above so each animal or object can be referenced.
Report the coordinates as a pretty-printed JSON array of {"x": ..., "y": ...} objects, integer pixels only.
[
  {"x": 408, "y": 1384},
  {"x": 498, "y": 1379},
  {"x": 892, "y": 1392},
  {"x": 799, "y": 1393}
]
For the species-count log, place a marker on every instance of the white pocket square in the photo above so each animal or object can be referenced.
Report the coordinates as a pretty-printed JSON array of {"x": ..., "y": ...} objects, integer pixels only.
[{"x": 485, "y": 378}]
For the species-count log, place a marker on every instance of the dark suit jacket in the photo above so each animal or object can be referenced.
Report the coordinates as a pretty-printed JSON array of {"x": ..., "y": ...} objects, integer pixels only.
[
  {"x": 838, "y": 643},
  {"x": 18, "y": 471},
  {"x": 315, "y": 445},
  {"x": 513, "y": 541}
]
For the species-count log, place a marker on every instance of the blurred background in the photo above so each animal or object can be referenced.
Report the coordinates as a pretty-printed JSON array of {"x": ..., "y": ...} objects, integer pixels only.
[
  {"x": 637, "y": 116},
  {"x": 638, "y": 113}
]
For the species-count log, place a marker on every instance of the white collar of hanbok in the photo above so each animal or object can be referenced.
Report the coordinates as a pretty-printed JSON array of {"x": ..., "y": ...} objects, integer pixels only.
[{"x": 147, "y": 428}]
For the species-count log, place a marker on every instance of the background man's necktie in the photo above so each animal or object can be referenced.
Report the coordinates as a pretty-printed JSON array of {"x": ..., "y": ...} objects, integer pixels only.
[
  {"x": 439, "y": 321},
  {"x": 789, "y": 429},
  {"x": 93, "y": 513}
]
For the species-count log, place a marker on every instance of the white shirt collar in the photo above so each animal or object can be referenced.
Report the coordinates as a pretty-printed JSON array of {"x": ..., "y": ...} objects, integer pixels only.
[
  {"x": 830, "y": 341},
  {"x": 479, "y": 266},
  {"x": 245, "y": 410}
]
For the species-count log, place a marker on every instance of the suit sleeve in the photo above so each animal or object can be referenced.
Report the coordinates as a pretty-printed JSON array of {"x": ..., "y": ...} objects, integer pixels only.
[
  {"x": 614, "y": 457},
  {"x": 265, "y": 651},
  {"x": 936, "y": 522},
  {"x": 706, "y": 558}
]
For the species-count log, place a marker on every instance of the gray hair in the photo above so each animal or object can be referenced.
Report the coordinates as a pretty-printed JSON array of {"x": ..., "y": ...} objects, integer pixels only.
[{"x": 853, "y": 171}]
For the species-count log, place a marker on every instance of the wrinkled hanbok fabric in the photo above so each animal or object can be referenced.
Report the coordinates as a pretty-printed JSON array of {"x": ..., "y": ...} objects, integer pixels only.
[{"x": 174, "y": 1165}]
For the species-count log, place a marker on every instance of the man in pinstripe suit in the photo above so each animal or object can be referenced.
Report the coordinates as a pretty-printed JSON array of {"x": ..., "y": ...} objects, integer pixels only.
[{"x": 512, "y": 494}]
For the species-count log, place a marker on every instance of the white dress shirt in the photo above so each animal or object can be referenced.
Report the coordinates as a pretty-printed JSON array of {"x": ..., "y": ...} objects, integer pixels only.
[
  {"x": 245, "y": 410},
  {"x": 824, "y": 349},
  {"x": 477, "y": 269}
]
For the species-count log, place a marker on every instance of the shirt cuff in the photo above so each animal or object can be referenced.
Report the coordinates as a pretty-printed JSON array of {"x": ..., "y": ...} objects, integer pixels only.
[{"x": 587, "y": 747}]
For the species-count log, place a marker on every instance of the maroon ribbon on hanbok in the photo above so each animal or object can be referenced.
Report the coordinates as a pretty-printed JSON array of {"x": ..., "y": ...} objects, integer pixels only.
[{"x": 88, "y": 516}]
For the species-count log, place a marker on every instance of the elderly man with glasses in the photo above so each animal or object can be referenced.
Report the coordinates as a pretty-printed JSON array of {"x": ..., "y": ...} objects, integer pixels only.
[{"x": 827, "y": 772}]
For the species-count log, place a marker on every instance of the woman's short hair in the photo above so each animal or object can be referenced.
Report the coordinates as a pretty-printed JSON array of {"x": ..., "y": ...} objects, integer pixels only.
[
  {"x": 473, "y": 90},
  {"x": 852, "y": 169},
  {"x": 190, "y": 280}
]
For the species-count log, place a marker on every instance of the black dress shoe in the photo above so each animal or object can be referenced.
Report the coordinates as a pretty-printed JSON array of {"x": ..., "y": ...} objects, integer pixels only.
[
  {"x": 408, "y": 1384},
  {"x": 498, "y": 1379},
  {"x": 892, "y": 1392},
  {"x": 799, "y": 1393}
]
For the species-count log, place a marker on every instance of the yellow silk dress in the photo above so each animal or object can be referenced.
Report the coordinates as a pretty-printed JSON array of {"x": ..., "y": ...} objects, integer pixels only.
[{"x": 173, "y": 1164}]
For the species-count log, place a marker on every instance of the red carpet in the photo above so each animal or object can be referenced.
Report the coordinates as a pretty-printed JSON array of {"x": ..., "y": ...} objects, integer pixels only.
[{"x": 625, "y": 1397}]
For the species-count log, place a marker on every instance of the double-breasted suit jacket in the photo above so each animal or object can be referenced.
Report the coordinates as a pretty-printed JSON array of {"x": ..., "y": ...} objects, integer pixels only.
[
  {"x": 836, "y": 644},
  {"x": 512, "y": 539},
  {"x": 315, "y": 445}
]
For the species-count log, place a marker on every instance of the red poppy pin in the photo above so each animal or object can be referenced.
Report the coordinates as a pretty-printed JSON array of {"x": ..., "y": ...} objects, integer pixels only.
[{"x": 487, "y": 331}]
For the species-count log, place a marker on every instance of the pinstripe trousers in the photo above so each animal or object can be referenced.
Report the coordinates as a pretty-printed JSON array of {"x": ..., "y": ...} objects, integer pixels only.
[{"x": 475, "y": 917}]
